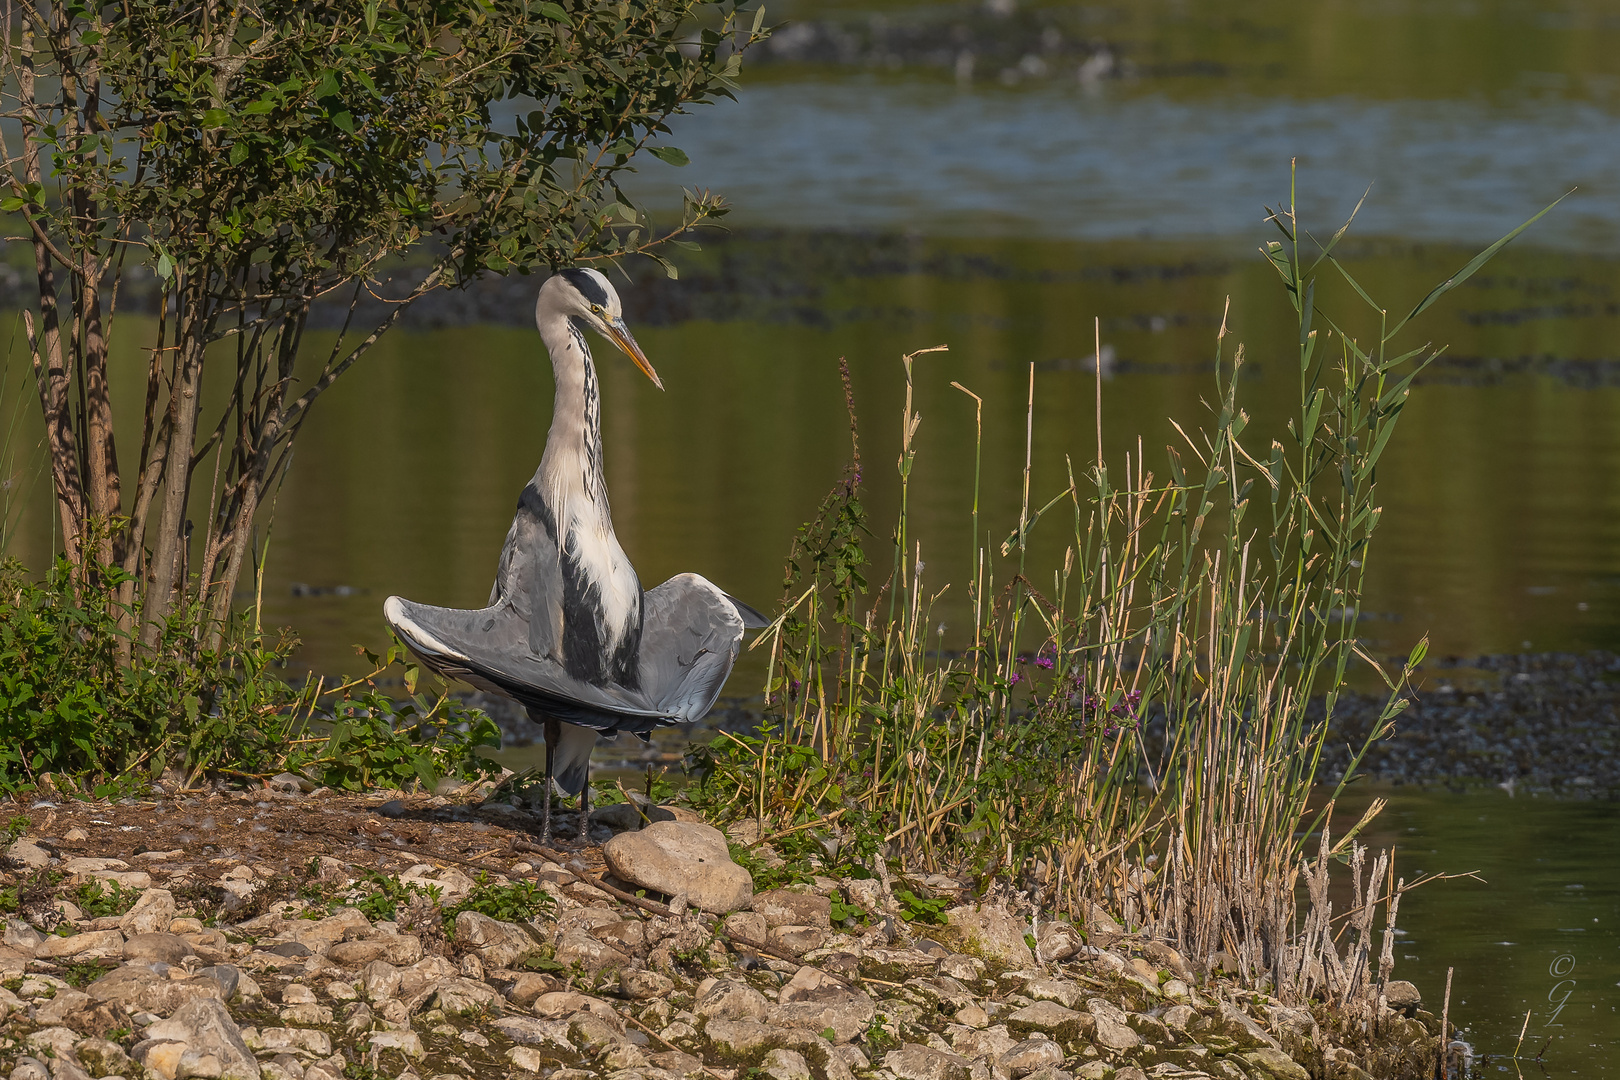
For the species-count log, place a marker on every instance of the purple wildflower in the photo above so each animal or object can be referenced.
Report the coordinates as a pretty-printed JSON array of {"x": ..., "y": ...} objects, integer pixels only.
[
  {"x": 1044, "y": 662},
  {"x": 1014, "y": 679}
]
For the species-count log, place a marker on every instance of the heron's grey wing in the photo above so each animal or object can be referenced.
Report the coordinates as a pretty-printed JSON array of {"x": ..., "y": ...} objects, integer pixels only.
[
  {"x": 530, "y": 574},
  {"x": 689, "y": 642},
  {"x": 489, "y": 648},
  {"x": 751, "y": 617}
]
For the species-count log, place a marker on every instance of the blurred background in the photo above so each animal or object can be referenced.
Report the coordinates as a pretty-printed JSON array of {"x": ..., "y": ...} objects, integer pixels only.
[{"x": 995, "y": 176}]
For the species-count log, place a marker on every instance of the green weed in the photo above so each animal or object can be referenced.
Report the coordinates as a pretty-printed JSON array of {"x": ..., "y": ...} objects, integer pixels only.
[
  {"x": 921, "y": 909},
  {"x": 517, "y": 902},
  {"x": 99, "y": 899}
]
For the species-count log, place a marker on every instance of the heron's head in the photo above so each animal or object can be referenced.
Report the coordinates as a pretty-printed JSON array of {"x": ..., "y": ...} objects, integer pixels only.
[{"x": 587, "y": 296}]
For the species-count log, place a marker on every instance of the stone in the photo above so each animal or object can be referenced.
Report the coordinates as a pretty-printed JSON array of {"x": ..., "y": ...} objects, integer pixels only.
[
  {"x": 307, "y": 1014},
  {"x": 627, "y": 936},
  {"x": 530, "y": 985},
  {"x": 846, "y": 1012},
  {"x": 680, "y": 858},
  {"x": 959, "y": 966},
  {"x": 916, "y": 1062},
  {"x": 160, "y": 1057},
  {"x": 730, "y": 1000},
  {"x": 458, "y": 995},
  {"x": 24, "y": 938},
  {"x": 522, "y": 1029},
  {"x": 1029, "y": 1056},
  {"x": 993, "y": 932},
  {"x": 169, "y": 948},
  {"x": 739, "y": 1038},
  {"x": 1401, "y": 995},
  {"x": 29, "y": 854},
  {"x": 452, "y": 883},
  {"x": 297, "y": 1040},
  {"x": 785, "y": 1065},
  {"x": 798, "y": 940},
  {"x": 1242, "y": 1027},
  {"x": 746, "y": 924},
  {"x": 1062, "y": 991},
  {"x": 1058, "y": 941},
  {"x": 566, "y": 1003},
  {"x": 346, "y": 924},
  {"x": 526, "y": 1059},
  {"x": 91, "y": 945},
  {"x": 1112, "y": 1030},
  {"x": 971, "y": 1043},
  {"x": 29, "y": 1068},
  {"x": 379, "y": 979},
  {"x": 152, "y": 913},
  {"x": 1168, "y": 959},
  {"x": 1276, "y": 1063},
  {"x": 408, "y": 1043},
  {"x": 589, "y": 952},
  {"x": 1051, "y": 1019},
  {"x": 400, "y": 949},
  {"x": 103, "y": 1058},
  {"x": 56, "y": 1011},
  {"x": 499, "y": 944},
  {"x": 644, "y": 985},
  {"x": 1101, "y": 928},
  {"x": 791, "y": 907},
  {"x": 140, "y": 989},
  {"x": 205, "y": 1028}
]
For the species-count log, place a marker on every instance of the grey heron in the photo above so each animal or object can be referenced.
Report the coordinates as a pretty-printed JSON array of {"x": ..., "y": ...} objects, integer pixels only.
[{"x": 568, "y": 631}]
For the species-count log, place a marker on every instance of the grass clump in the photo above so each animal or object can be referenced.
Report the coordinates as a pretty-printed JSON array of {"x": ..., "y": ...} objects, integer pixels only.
[
  {"x": 1131, "y": 725},
  {"x": 99, "y": 899}
]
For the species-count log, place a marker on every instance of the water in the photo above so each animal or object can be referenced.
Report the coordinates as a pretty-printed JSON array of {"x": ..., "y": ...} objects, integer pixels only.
[
  {"x": 1000, "y": 219},
  {"x": 1537, "y": 933}
]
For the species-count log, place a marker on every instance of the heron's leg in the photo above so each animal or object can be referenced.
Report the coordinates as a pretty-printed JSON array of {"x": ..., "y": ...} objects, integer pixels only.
[
  {"x": 553, "y": 734},
  {"x": 585, "y": 807}
]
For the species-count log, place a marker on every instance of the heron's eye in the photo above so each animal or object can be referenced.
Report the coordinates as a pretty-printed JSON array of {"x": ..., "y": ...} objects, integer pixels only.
[{"x": 596, "y": 309}]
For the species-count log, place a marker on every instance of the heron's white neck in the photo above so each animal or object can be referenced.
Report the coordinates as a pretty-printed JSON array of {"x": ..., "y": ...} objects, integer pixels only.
[{"x": 571, "y": 477}]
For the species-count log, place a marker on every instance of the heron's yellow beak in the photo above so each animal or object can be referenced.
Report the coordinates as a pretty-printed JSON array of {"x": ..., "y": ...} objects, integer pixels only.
[{"x": 619, "y": 334}]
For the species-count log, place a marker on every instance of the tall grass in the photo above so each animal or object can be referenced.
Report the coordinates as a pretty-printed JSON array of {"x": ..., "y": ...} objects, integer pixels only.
[{"x": 1131, "y": 727}]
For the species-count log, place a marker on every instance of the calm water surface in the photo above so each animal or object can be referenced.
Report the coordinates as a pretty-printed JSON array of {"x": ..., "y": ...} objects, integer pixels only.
[{"x": 1000, "y": 217}]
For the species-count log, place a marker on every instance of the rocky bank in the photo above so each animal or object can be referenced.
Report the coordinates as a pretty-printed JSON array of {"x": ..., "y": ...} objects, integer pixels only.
[{"x": 249, "y": 953}]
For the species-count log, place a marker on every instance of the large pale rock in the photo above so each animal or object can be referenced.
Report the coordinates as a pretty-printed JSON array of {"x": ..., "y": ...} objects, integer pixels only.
[
  {"x": 25, "y": 939},
  {"x": 1062, "y": 991},
  {"x": 993, "y": 932},
  {"x": 29, "y": 854},
  {"x": 152, "y": 913},
  {"x": 1058, "y": 941},
  {"x": 590, "y": 953},
  {"x": 1031, "y": 1055},
  {"x": 682, "y": 858},
  {"x": 169, "y": 948},
  {"x": 990, "y": 1042},
  {"x": 1276, "y": 1063},
  {"x": 561, "y": 1004},
  {"x": 1112, "y": 1031},
  {"x": 204, "y": 1026},
  {"x": 918, "y": 1062},
  {"x": 739, "y": 1039},
  {"x": 139, "y": 989},
  {"x": 397, "y": 949},
  {"x": 91, "y": 945},
  {"x": 379, "y": 979},
  {"x": 785, "y": 1065},
  {"x": 730, "y": 1000},
  {"x": 815, "y": 1001},
  {"x": 499, "y": 944},
  {"x": 790, "y": 907},
  {"x": 346, "y": 925},
  {"x": 1050, "y": 1018},
  {"x": 522, "y": 1029},
  {"x": 464, "y": 995}
]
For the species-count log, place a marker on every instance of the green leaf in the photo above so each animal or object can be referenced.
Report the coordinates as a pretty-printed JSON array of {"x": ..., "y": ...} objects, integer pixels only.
[
  {"x": 344, "y": 120},
  {"x": 215, "y": 118},
  {"x": 671, "y": 155},
  {"x": 1473, "y": 265},
  {"x": 554, "y": 12},
  {"x": 239, "y": 152},
  {"x": 165, "y": 267}
]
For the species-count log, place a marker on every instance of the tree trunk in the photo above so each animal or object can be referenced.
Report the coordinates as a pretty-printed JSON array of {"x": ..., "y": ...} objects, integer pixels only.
[{"x": 182, "y": 424}]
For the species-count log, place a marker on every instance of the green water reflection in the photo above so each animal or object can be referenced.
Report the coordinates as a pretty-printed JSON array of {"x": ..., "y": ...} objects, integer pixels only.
[{"x": 1539, "y": 934}]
